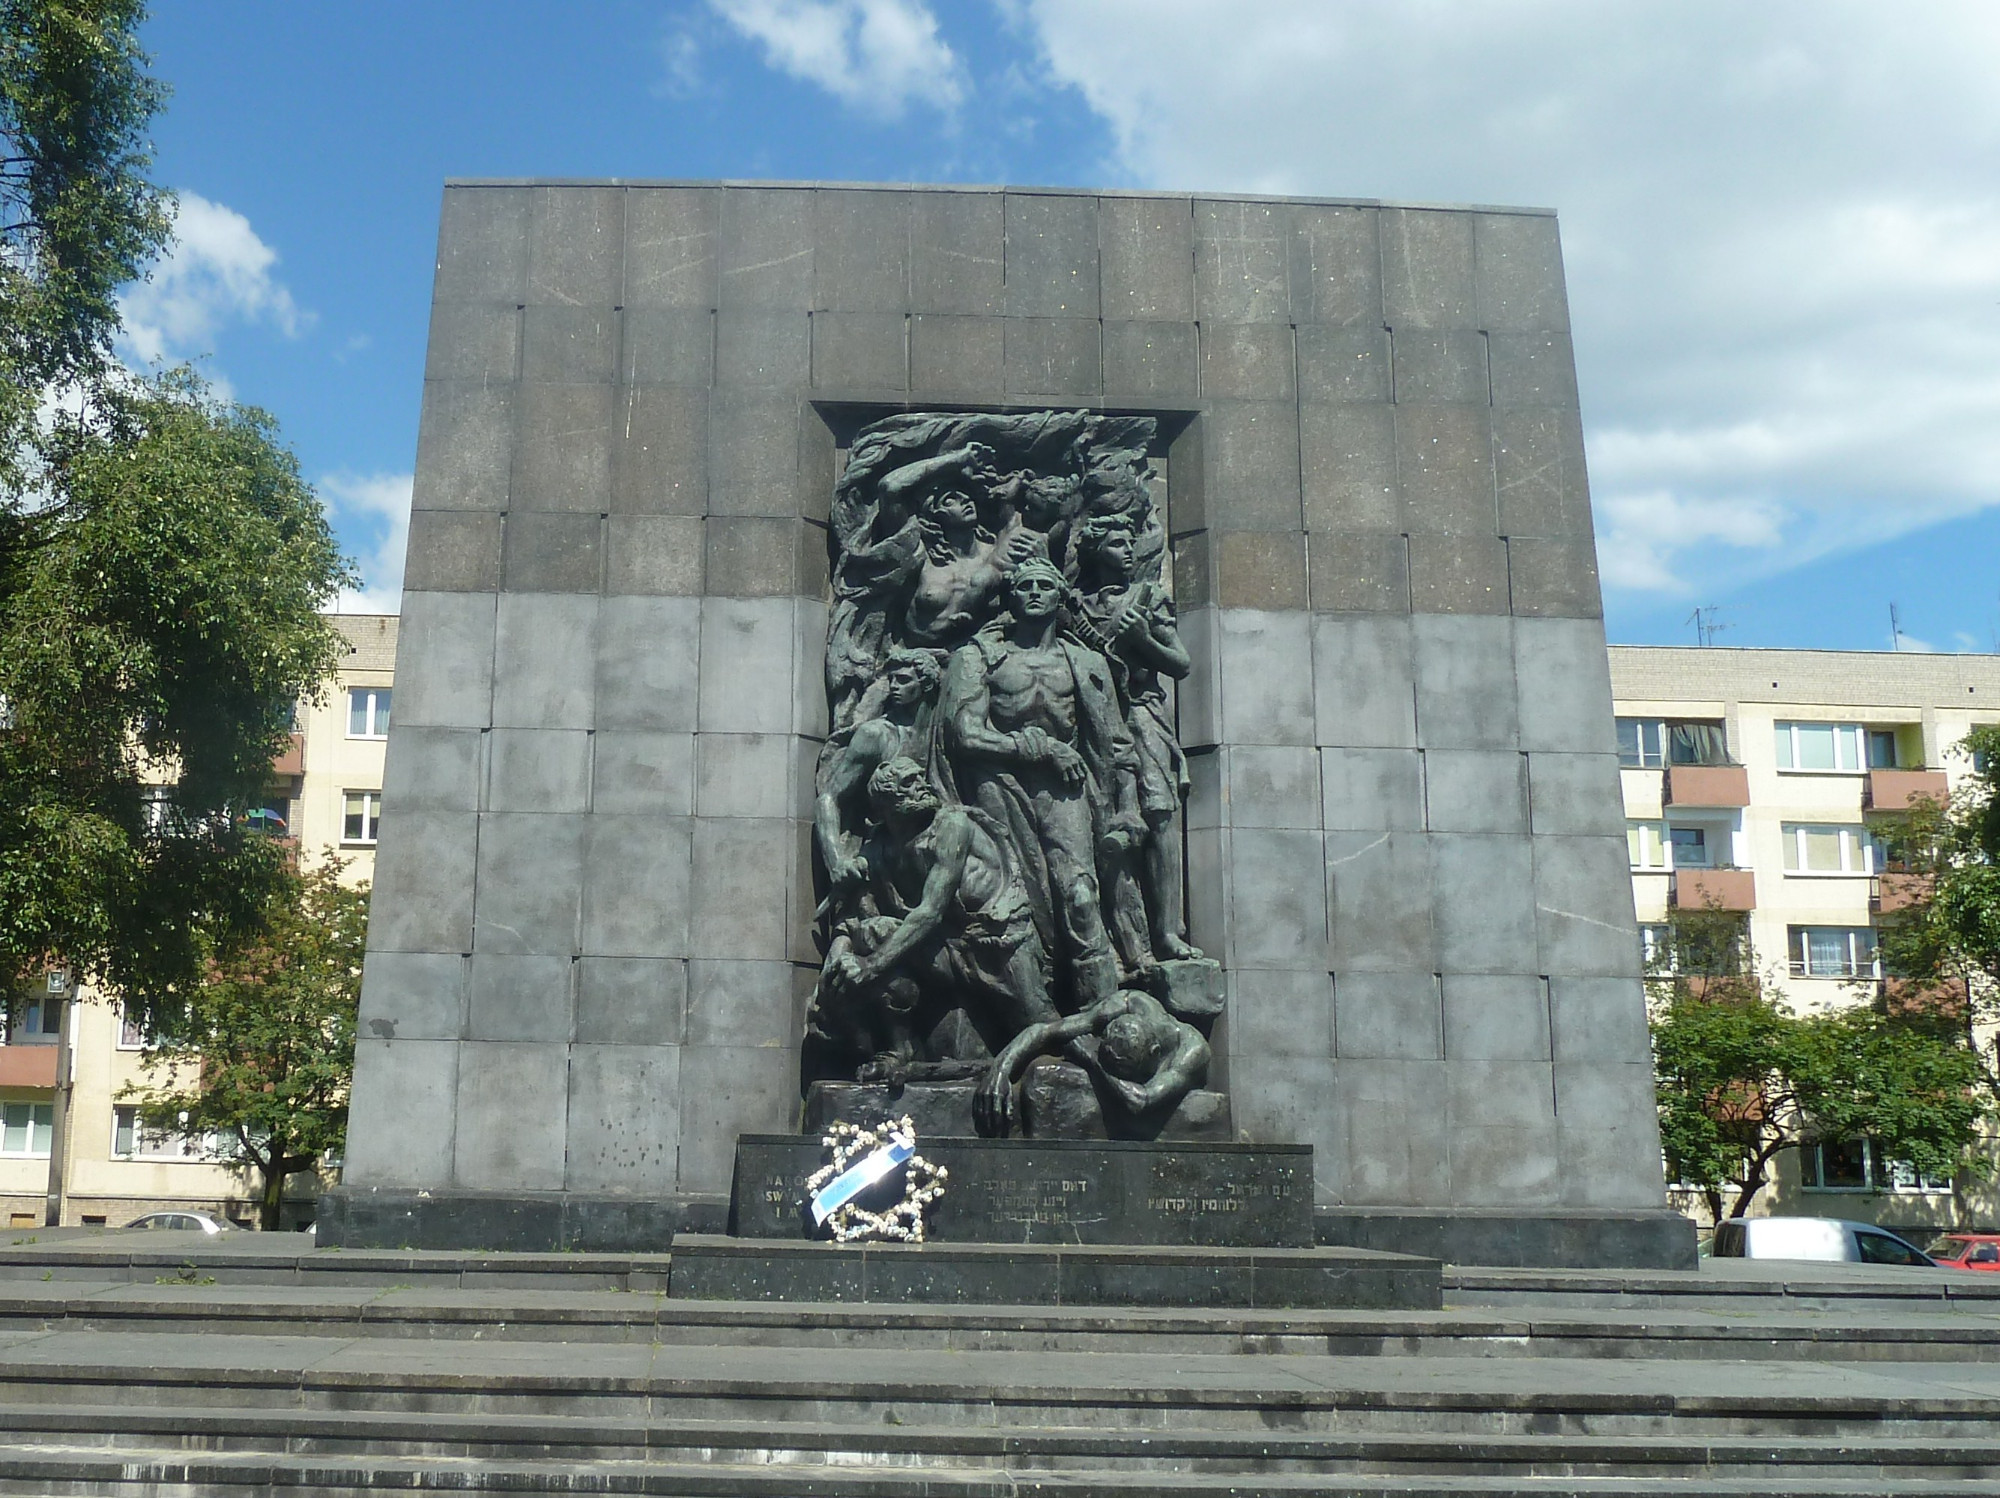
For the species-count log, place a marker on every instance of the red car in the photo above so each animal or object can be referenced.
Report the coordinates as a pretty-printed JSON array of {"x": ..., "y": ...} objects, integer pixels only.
[{"x": 1967, "y": 1251}]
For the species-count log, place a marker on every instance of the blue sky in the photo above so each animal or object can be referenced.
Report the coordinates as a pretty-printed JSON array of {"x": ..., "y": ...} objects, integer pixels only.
[{"x": 1782, "y": 226}]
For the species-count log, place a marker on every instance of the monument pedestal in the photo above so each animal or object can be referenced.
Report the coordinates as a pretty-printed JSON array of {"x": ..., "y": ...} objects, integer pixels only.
[{"x": 1057, "y": 1100}]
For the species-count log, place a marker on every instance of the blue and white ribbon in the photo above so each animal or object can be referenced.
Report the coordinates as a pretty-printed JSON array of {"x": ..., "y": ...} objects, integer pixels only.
[{"x": 858, "y": 1177}]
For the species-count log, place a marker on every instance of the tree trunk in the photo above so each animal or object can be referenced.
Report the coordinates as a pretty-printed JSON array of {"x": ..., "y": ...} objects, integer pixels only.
[{"x": 274, "y": 1171}]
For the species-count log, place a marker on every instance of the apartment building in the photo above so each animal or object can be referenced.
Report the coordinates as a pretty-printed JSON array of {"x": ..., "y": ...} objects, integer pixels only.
[
  {"x": 1755, "y": 782},
  {"x": 326, "y": 799}
]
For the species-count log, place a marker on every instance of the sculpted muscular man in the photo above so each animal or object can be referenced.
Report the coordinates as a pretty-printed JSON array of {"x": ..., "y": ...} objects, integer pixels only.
[{"x": 849, "y": 758}]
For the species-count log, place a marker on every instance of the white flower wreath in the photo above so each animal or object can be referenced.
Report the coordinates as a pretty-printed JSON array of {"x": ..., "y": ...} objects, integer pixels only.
[{"x": 923, "y": 1183}]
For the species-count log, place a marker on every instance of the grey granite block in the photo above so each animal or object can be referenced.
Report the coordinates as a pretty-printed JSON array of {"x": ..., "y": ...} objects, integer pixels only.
[
  {"x": 636, "y": 884},
  {"x": 958, "y": 356},
  {"x": 860, "y": 351},
  {"x": 1371, "y": 790},
  {"x": 1194, "y": 571},
  {"x": 648, "y": 663},
  {"x": 1051, "y": 256},
  {"x": 425, "y": 865},
  {"x": 1361, "y": 572},
  {"x": 1476, "y": 790},
  {"x": 538, "y": 769},
  {"x": 518, "y": 998},
  {"x": 1199, "y": 698},
  {"x": 660, "y": 451},
  {"x": 624, "y": 1119},
  {"x": 1363, "y": 688},
  {"x": 1059, "y": 358},
  {"x": 530, "y": 882},
  {"x": 1271, "y": 786},
  {"x": 809, "y": 714},
  {"x": 1533, "y": 369},
  {"x": 741, "y": 869},
  {"x": 635, "y": 1001},
  {"x": 562, "y": 453},
  {"x": 765, "y": 247},
  {"x": 1387, "y": 1016},
  {"x": 1146, "y": 259},
  {"x": 1599, "y": 1019},
  {"x": 1503, "y": 1134},
  {"x": 1458, "y": 573},
  {"x": 513, "y": 1097},
  {"x": 746, "y": 665},
  {"x": 1427, "y": 269},
  {"x": 465, "y": 446},
  {"x": 642, "y": 772},
  {"x": 861, "y": 251},
  {"x": 541, "y": 660},
  {"x": 1251, "y": 458},
  {"x": 576, "y": 246},
  {"x": 654, "y": 554},
  {"x": 551, "y": 552},
  {"x": 748, "y": 557},
  {"x": 1242, "y": 255},
  {"x": 1483, "y": 903},
  {"x": 446, "y": 679},
  {"x": 477, "y": 341},
  {"x": 1266, "y": 671},
  {"x": 1608, "y": 1134},
  {"x": 1280, "y": 1012},
  {"x": 763, "y": 347},
  {"x": 1554, "y": 579},
  {"x": 483, "y": 245},
  {"x": 668, "y": 346},
  {"x": 1259, "y": 570},
  {"x": 753, "y": 453},
  {"x": 1434, "y": 367},
  {"x": 957, "y": 253},
  {"x": 1292, "y": 1098},
  {"x": 452, "y": 551},
  {"x": 1538, "y": 468},
  {"x": 1247, "y": 361},
  {"x": 402, "y": 1114},
  {"x": 1575, "y": 793},
  {"x": 1336, "y": 271},
  {"x": 1379, "y": 902},
  {"x": 1344, "y": 365},
  {"x": 1396, "y": 1132},
  {"x": 1207, "y": 909},
  {"x": 1150, "y": 362},
  {"x": 1520, "y": 274},
  {"x": 743, "y": 775},
  {"x": 1565, "y": 685},
  {"x": 1205, "y": 770},
  {"x": 740, "y": 1003},
  {"x": 1465, "y": 687},
  {"x": 432, "y": 769},
  {"x": 1495, "y": 1017},
  {"x": 1583, "y": 907},
  {"x": 726, "y": 1092},
  {"x": 1444, "y": 459},
  {"x": 670, "y": 235},
  {"x": 412, "y": 995},
  {"x": 566, "y": 345}
]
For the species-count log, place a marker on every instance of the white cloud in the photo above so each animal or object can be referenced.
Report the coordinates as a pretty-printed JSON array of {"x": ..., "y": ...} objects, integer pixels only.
[
  {"x": 372, "y": 511},
  {"x": 216, "y": 271},
  {"x": 1781, "y": 223},
  {"x": 876, "y": 56}
]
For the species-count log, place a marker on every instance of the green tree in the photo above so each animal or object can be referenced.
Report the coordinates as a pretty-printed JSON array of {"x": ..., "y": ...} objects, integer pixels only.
[{"x": 266, "y": 1053}]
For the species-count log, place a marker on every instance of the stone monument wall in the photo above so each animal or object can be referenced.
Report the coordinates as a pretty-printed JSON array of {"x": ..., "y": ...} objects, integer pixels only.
[{"x": 591, "y": 946}]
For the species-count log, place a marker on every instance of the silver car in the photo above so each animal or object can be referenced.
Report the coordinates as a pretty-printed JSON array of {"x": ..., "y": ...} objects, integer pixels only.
[
  {"x": 1828, "y": 1239},
  {"x": 187, "y": 1222}
]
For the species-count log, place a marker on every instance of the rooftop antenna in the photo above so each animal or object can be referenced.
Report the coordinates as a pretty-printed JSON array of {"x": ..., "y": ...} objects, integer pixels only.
[
  {"x": 1706, "y": 625},
  {"x": 1895, "y": 628}
]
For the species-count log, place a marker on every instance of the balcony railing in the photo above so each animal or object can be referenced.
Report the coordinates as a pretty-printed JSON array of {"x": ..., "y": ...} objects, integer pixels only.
[
  {"x": 1894, "y": 889},
  {"x": 30, "y": 1066},
  {"x": 1899, "y": 790},
  {"x": 1707, "y": 785},
  {"x": 1714, "y": 889},
  {"x": 292, "y": 762}
]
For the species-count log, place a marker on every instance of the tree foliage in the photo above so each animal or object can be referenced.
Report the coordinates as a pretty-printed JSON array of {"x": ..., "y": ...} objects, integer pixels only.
[{"x": 265, "y": 1053}]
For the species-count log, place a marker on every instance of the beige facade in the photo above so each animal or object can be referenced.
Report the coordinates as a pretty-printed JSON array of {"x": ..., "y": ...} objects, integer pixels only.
[
  {"x": 1813, "y": 746},
  {"x": 327, "y": 795}
]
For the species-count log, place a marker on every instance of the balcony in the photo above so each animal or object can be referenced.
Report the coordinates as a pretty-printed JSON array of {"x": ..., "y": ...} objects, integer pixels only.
[
  {"x": 292, "y": 762},
  {"x": 1707, "y": 785},
  {"x": 28, "y": 1066},
  {"x": 1897, "y": 890},
  {"x": 1899, "y": 790},
  {"x": 1714, "y": 889}
]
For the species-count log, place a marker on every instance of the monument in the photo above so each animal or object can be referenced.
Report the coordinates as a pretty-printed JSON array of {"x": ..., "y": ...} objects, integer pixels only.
[{"x": 1116, "y": 677}]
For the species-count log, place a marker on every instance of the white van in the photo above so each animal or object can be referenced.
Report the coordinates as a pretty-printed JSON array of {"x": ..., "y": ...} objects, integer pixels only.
[{"x": 1823, "y": 1238}]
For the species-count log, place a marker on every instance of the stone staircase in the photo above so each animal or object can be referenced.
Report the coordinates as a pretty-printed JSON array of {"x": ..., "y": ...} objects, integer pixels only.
[{"x": 264, "y": 1367}]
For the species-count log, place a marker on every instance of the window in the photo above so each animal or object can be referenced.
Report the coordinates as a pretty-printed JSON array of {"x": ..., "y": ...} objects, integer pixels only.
[
  {"x": 1901, "y": 1175},
  {"x": 1641, "y": 743},
  {"x": 364, "y": 815},
  {"x": 1882, "y": 1248},
  {"x": 368, "y": 713},
  {"x": 1657, "y": 951},
  {"x": 132, "y": 1139},
  {"x": 1690, "y": 847},
  {"x": 132, "y": 1036},
  {"x": 34, "y": 1018},
  {"x": 1881, "y": 748},
  {"x": 1823, "y": 746},
  {"x": 1860, "y": 1165},
  {"x": 27, "y": 1128},
  {"x": 1648, "y": 743},
  {"x": 1832, "y": 952},
  {"x": 1646, "y": 842},
  {"x": 1836, "y": 849}
]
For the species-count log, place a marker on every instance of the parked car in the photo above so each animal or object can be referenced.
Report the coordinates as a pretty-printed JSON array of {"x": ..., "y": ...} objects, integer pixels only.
[
  {"x": 1822, "y": 1238},
  {"x": 1967, "y": 1250},
  {"x": 187, "y": 1222}
]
